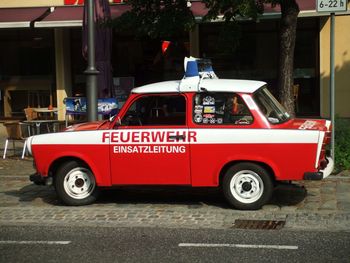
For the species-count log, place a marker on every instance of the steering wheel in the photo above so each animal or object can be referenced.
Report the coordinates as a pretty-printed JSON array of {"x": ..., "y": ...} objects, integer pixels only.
[{"x": 133, "y": 118}]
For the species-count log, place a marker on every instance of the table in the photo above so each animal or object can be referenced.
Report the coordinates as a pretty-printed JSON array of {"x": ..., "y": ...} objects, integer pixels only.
[
  {"x": 45, "y": 110},
  {"x": 38, "y": 123}
]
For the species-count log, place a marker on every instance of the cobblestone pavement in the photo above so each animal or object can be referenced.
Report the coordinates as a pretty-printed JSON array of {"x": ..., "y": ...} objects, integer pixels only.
[{"x": 304, "y": 205}]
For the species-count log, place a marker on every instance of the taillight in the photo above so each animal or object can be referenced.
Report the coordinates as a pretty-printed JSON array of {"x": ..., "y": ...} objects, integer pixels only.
[
  {"x": 327, "y": 137},
  {"x": 323, "y": 164},
  {"x": 326, "y": 141}
]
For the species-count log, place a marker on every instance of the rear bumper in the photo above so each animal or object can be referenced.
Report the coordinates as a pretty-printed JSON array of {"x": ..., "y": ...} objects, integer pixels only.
[{"x": 321, "y": 174}]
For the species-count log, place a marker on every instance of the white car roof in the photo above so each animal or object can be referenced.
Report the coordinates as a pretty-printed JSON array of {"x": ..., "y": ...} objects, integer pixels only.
[{"x": 211, "y": 85}]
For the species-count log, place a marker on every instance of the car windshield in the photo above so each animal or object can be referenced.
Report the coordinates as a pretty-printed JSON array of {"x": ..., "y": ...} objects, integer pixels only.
[{"x": 270, "y": 107}]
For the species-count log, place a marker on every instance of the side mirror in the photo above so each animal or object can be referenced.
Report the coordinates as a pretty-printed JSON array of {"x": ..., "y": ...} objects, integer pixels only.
[{"x": 119, "y": 121}]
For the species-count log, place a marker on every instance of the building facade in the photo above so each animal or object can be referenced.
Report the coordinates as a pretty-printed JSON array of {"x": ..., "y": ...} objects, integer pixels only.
[{"x": 41, "y": 61}]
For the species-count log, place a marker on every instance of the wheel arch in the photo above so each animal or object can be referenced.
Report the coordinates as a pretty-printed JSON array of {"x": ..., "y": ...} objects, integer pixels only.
[
  {"x": 58, "y": 162},
  {"x": 101, "y": 172},
  {"x": 266, "y": 166}
]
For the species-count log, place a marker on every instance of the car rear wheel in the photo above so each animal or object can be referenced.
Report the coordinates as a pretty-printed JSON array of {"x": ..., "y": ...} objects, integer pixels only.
[
  {"x": 75, "y": 184},
  {"x": 247, "y": 186}
]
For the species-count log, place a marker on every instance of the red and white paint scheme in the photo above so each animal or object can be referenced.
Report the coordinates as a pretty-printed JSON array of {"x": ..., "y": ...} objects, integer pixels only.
[{"x": 199, "y": 131}]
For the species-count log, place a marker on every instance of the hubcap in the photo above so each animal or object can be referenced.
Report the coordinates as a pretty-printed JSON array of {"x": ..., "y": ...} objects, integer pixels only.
[
  {"x": 79, "y": 183},
  {"x": 246, "y": 186}
]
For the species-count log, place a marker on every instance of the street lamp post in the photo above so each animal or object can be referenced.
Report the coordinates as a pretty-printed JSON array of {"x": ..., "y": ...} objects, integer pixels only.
[
  {"x": 332, "y": 7},
  {"x": 332, "y": 87},
  {"x": 91, "y": 71}
]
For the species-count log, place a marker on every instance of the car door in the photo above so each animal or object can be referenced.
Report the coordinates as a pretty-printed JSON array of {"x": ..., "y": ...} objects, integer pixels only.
[
  {"x": 151, "y": 146},
  {"x": 220, "y": 120}
]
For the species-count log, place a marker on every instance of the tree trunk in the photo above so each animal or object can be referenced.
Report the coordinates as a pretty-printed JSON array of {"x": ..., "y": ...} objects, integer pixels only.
[{"x": 290, "y": 11}]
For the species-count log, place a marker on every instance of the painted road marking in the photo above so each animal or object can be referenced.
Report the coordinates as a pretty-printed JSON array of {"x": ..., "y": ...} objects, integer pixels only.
[
  {"x": 238, "y": 246},
  {"x": 22, "y": 242}
]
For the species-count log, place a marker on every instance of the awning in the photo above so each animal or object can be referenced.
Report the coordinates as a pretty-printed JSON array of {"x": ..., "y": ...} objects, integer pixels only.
[
  {"x": 72, "y": 16},
  {"x": 304, "y": 6},
  {"x": 307, "y": 9},
  {"x": 21, "y": 17},
  {"x": 118, "y": 10}
]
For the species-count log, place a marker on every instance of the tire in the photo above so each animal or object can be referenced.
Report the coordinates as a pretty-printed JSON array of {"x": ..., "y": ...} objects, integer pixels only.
[
  {"x": 247, "y": 186},
  {"x": 75, "y": 184}
]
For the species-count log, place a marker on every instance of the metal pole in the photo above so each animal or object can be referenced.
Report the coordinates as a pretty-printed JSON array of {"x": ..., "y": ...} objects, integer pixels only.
[
  {"x": 91, "y": 71},
  {"x": 332, "y": 97}
]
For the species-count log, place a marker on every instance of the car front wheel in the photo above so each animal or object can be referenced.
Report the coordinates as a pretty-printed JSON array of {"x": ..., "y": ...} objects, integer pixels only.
[
  {"x": 247, "y": 186},
  {"x": 75, "y": 184}
]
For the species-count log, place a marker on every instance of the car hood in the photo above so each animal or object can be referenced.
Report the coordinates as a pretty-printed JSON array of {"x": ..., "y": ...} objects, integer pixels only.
[{"x": 88, "y": 126}]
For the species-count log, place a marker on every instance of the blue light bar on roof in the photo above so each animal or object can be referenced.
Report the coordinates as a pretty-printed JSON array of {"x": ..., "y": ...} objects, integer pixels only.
[
  {"x": 199, "y": 67},
  {"x": 196, "y": 69},
  {"x": 191, "y": 69}
]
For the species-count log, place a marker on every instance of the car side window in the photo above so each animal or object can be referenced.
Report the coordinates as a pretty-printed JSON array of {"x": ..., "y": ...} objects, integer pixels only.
[
  {"x": 220, "y": 108},
  {"x": 156, "y": 110}
]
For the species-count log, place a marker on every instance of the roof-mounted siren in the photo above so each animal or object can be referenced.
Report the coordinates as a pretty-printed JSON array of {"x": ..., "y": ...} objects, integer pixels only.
[
  {"x": 191, "y": 67},
  {"x": 191, "y": 78},
  {"x": 205, "y": 68},
  {"x": 195, "y": 70}
]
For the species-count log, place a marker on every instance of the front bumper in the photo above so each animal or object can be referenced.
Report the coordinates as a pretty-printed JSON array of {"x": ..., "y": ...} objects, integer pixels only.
[
  {"x": 321, "y": 174},
  {"x": 38, "y": 179}
]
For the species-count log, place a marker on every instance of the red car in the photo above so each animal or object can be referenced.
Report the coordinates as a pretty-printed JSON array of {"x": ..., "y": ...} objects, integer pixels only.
[{"x": 200, "y": 132}]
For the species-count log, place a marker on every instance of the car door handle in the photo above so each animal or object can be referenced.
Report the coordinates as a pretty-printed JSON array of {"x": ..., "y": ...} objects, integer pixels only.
[{"x": 177, "y": 137}]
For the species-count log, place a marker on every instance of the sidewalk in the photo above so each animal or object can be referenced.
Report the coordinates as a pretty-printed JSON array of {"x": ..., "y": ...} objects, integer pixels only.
[{"x": 325, "y": 204}]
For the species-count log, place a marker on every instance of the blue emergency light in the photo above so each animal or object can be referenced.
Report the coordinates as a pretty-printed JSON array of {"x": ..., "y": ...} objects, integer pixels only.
[
  {"x": 196, "y": 70},
  {"x": 191, "y": 69}
]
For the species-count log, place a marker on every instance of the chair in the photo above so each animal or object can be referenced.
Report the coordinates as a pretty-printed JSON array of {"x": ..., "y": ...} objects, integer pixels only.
[
  {"x": 30, "y": 114},
  {"x": 15, "y": 133}
]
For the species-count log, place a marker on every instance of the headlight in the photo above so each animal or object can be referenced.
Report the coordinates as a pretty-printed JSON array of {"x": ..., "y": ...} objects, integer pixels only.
[{"x": 29, "y": 144}]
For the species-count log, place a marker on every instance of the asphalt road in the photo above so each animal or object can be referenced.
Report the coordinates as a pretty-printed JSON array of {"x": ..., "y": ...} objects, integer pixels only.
[{"x": 106, "y": 244}]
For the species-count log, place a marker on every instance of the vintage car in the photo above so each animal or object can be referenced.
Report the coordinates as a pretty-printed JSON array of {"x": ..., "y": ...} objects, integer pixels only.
[{"x": 200, "y": 131}]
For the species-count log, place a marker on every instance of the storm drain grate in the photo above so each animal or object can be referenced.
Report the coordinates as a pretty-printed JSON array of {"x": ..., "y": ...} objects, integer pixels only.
[{"x": 258, "y": 224}]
